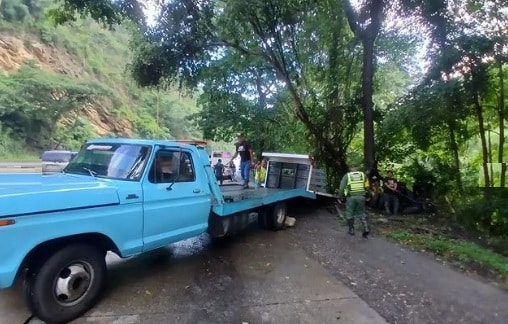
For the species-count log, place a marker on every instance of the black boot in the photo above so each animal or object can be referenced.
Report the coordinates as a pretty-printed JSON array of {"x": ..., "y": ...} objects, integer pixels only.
[{"x": 350, "y": 223}]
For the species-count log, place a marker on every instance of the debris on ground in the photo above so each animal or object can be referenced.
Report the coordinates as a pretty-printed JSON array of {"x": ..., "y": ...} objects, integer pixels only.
[{"x": 290, "y": 221}]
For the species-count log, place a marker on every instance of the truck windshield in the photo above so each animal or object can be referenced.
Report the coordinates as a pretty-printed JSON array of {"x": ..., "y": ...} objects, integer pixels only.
[{"x": 110, "y": 160}]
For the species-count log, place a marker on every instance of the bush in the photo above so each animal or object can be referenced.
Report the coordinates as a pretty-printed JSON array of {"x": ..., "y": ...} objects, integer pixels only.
[
  {"x": 146, "y": 127},
  {"x": 488, "y": 216},
  {"x": 72, "y": 136},
  {"x": 47, "y": 35},
  {"x": 14, "y": 12},
  {"x": 11, "y": 148}
]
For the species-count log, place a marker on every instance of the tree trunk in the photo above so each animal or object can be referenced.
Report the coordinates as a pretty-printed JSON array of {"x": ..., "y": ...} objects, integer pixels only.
[
  {"x": 491, "y": 170},
  {"x": 368, "y": 37},
  {"x": 481, "y": 125},
  {"x": 503, "y": 175},
  {"x": 455, "y": 151},
  {"x": 368, "y": 105},
  {"x": 501, "y": 115},
  {"x": 328, "y": 151}
]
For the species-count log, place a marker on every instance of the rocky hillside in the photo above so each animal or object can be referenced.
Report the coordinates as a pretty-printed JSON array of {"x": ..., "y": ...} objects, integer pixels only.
[
  {"x": 16, "y": 51},
  {"x": 85, "y": 90}
]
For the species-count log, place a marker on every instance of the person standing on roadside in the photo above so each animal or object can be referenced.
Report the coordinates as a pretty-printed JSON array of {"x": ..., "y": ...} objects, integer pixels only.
[
  {"x": 244, "y": 149},
  {"x": 390, "y": 194},
  {"x": 353, "y": 186}
]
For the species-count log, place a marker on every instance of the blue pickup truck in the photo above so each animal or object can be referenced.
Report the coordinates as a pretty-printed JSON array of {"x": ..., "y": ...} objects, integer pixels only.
[{"x": 127, "y": 196}]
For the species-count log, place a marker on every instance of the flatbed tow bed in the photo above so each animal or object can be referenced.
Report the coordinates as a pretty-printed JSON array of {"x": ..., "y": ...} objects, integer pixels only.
[
  {"x": 238, "y": 199},
  {"x": 288, "y": 176}
]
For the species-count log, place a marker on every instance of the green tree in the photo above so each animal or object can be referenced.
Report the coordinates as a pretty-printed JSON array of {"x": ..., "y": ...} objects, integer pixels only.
[
  {"x": 107, "y": 12},
  {"x": 306, "y": 47},
  {"x": 33, "y": 101},
  {"x": 14, "y": 11},
  {"x": 460, "y": 52},
  {"x": 366, "y": 26}
]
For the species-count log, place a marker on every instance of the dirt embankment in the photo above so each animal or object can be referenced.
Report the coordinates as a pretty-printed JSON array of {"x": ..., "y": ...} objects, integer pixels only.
[{"x": 16, "y": 50}]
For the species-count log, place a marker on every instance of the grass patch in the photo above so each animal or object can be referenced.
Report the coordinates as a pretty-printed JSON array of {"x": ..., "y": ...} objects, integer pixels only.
[{"x": 466, "y": 254}]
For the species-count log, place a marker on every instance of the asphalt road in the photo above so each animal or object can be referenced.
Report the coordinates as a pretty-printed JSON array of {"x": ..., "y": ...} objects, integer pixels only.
[
  {"x": 403, "y": 286},
  {"x": 312, "y": 273},
  {"x": 258, "y": 277},
  {"x": 20, "y": 167}
]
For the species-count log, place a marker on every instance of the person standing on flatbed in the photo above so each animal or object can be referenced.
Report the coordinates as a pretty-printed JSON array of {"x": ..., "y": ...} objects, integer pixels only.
[
  {"x": 244, "y": 149},
  {"x": 219, "y": 171}
]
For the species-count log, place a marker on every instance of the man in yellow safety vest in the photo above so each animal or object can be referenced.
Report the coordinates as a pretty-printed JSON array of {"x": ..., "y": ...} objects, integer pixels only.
[{"x": 353, "y": 186}]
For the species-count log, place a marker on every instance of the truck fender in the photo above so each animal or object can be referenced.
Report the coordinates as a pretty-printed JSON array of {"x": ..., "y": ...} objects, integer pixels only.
[{"x": 40, "y": 252}]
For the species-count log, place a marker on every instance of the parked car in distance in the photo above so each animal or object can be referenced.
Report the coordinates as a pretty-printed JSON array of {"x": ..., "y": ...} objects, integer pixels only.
[{"x": 56, "y": 160}]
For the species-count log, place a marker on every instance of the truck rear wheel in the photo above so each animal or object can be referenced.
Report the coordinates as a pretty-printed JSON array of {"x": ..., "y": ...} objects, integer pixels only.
[
  {"x": 273, "y": 216},
  {"x": 264, "y": 217},
  {"x": 278, "y": 216},
  {"x": 67, "y": 284}
]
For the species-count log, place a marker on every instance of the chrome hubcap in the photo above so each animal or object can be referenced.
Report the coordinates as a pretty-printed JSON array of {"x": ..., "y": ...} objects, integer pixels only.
[
  {"x": 73, "y": 282},
  {"x": 281, "y": 213}
]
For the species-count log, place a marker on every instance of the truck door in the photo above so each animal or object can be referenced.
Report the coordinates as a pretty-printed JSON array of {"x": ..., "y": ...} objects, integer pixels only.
[{"x": 176, "y": 202}]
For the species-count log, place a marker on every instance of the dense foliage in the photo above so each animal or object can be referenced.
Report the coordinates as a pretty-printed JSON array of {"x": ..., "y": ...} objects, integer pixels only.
[
  {"x": 33, "y": 100},
  {"x": 303, "y": 75},
  {"x": 45, "y": 107}
]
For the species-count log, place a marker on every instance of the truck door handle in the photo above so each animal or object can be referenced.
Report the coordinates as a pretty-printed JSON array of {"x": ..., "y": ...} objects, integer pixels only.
[
  {"x": 132, "y": 196},
  {"x": 196, "y": 190}
]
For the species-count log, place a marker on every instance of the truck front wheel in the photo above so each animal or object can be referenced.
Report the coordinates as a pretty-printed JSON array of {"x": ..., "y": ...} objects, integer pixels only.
[{"x": 66, "y": 284}]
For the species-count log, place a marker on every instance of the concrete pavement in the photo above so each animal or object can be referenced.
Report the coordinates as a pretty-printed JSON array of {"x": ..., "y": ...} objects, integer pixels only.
[
  {"x": 20, "y": 165},
  {"x": 259, "y": 277}
]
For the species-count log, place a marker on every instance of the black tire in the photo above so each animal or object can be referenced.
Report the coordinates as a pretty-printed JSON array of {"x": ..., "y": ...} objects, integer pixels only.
[
  {"x": 264, "y": 217},
  {"x": 79, "y": 269},
  {"x": 226, "y": 235},
  {"x": 278, "y": 216},
  {"x": 244, "y": 220}
]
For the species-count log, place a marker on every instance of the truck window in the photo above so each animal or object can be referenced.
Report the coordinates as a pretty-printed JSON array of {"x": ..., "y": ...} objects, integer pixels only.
[{"x": 172, "y": 166}]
